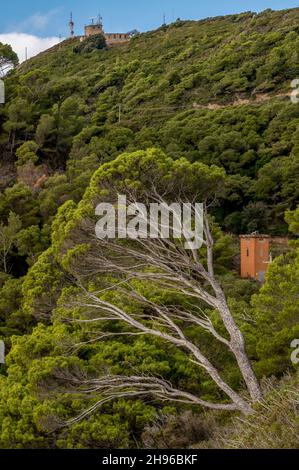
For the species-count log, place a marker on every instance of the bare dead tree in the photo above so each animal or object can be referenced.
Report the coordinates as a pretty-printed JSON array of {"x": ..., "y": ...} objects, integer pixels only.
[{"x": 162, "y": 263}]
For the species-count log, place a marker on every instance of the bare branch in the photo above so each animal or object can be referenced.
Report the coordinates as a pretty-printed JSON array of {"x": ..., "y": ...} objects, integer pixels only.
[{"x": 115, "y": 387}]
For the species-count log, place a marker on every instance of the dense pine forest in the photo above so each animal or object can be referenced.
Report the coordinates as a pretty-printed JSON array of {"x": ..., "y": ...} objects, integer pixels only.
[{"x": 201, "y": 106}]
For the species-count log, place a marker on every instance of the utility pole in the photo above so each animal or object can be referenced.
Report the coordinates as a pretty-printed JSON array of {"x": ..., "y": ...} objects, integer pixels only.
[
  {"x": 164, "y": 20},
  {"x": 119, "y": 113}
]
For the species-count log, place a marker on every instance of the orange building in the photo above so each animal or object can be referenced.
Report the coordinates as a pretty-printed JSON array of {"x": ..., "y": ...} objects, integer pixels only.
[{"x": 255, "y": 256}]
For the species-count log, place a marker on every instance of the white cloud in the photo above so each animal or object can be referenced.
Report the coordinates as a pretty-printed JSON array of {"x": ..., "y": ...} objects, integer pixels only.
[
  {"x": 34, "y": 44},
  {"x": 39, "y": 20},
  {"x": 36, "y": 22}
]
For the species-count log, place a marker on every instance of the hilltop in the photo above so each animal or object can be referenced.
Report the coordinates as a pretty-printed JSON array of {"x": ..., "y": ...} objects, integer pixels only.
[
  {"x": 179, "y": 81},
  {"x": 212, "y": 60}
]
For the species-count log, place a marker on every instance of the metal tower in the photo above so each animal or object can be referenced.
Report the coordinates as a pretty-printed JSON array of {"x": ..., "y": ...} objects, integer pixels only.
[
  {"x": 100, "y": 20},
  {"x": 72, "y": 25}
]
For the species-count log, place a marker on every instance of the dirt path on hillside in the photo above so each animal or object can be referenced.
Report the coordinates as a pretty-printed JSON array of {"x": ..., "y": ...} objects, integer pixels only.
[{"x": 260, "y": 98}]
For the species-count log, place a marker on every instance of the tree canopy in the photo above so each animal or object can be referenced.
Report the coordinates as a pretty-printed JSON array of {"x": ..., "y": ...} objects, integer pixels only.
[
  {"x": 194, "y": 111},
  {"x": 8, "y": 58}
]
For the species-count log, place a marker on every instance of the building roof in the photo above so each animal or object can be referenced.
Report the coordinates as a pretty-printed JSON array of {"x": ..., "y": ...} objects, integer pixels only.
[{"x": 255, "y": 235}]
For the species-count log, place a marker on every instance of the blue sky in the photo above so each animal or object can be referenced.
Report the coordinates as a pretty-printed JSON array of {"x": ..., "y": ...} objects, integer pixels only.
[{"x": 49, "y": 19}]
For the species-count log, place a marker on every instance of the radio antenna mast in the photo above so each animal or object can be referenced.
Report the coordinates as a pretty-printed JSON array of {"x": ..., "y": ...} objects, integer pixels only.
[
  {"x": 100, "y": 20},
  {"x": 72, "y": 25}
]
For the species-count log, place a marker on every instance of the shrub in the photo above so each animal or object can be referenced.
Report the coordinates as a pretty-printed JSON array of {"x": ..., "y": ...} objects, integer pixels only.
[{"x": 96, "y": 42}]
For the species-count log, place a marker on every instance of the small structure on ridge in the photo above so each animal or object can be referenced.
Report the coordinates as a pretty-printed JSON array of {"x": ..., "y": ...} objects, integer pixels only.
[
  {"x": 96, "y": 27},
  {"x": 255, "y": 256}
]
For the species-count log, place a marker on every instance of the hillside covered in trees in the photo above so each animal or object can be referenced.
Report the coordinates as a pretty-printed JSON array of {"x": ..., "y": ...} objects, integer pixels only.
[{"x": 198, "y": 108}]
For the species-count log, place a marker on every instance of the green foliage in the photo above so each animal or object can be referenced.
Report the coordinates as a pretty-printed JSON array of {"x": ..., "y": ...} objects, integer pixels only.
[
  {"x": 42, "y": 286},
  {"x": 27, "y": 153},
  {"x": 8, "y": 58},
  {"x": 55, "y": 192},
  {"x": 273, "y": 426},
  {"x": 292, "y": 218},
  {"x": 12, "y": 321},
  {"x": 196, "y": 106},
  {"x": 31, "y": 242},
  {"x": 20, "y": 200},
  {"x": 95, "y": 42},
  {"x": 33, "y": 362},
  {"x": 275, "y": 313},
  {"x": 8, "y": 237}
]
